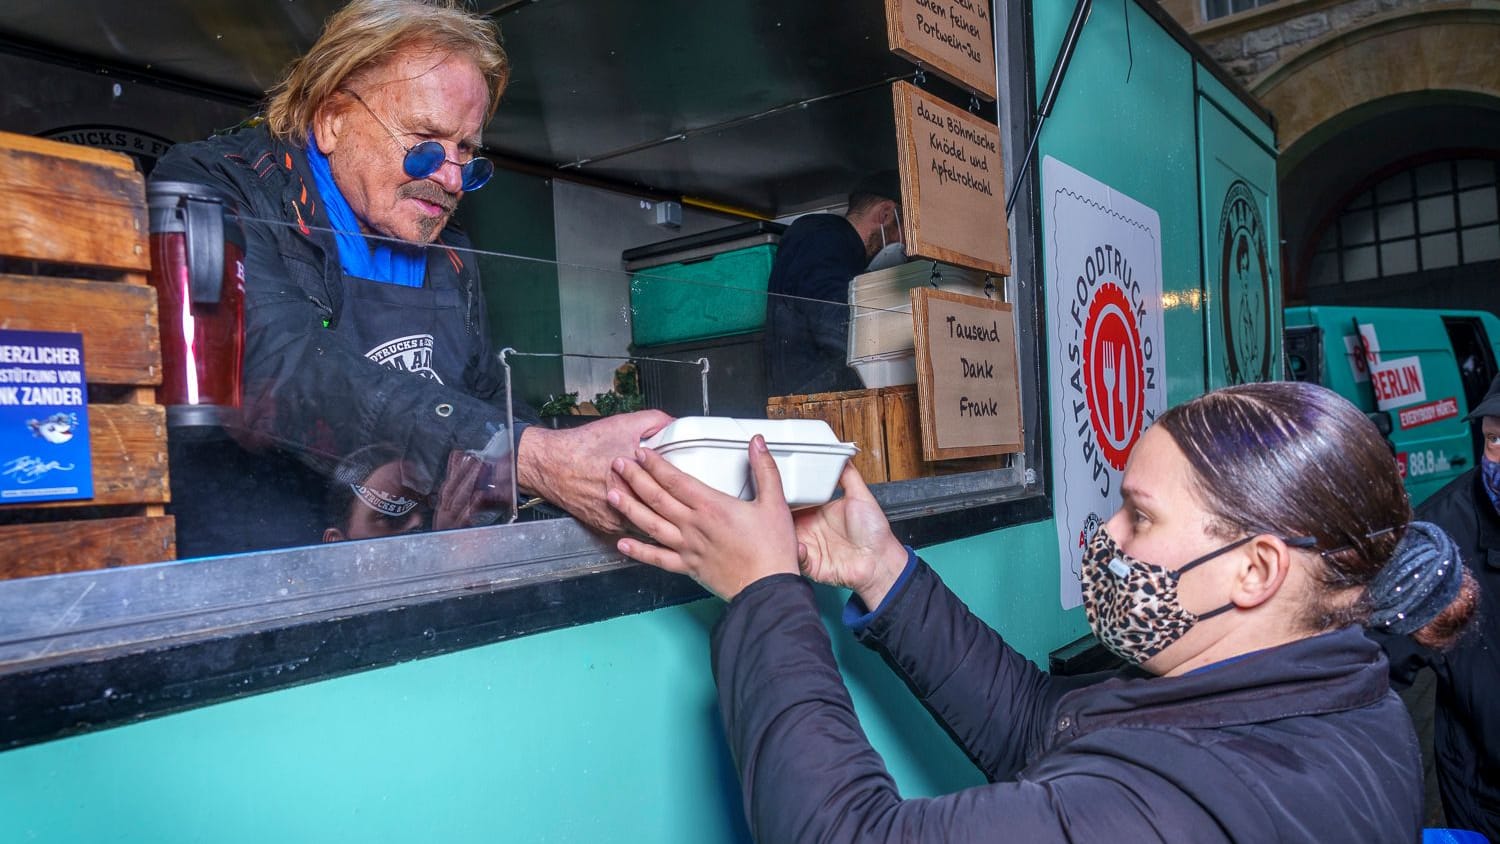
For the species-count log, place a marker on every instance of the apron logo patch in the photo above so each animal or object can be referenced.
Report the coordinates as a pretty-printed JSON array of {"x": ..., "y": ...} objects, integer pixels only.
[
  {"x": 412, "y": 353},
  {"x": 383, "y": 502}
]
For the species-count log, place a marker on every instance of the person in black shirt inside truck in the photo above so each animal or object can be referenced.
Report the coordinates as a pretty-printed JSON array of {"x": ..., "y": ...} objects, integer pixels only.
[{"x": 807, "y": 313}]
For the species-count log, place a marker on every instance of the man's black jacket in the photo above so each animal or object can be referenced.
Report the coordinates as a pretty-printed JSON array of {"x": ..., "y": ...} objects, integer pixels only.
[
  {"x": 309, "y": 390},
  {"x": 807, "y": 311}
]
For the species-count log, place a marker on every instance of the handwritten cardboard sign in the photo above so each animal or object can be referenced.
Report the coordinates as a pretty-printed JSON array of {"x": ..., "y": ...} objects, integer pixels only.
[
  {"x": 953, "y": 38},
  {"x": 952, "y": 183},
  {"x": 967, "y": 379}
]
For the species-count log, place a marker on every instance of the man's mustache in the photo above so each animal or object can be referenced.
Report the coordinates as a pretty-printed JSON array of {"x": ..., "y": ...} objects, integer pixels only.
[{"x": 428, "y": 192}]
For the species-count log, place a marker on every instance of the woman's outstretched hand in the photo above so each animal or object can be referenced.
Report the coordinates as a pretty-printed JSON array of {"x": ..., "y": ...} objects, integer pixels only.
[
  {"x": 722, "y": 542},
  {"x": 848, "y": 542}
]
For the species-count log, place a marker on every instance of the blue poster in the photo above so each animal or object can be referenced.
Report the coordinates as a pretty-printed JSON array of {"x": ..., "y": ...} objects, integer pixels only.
[{"x": 44, "y": 418}]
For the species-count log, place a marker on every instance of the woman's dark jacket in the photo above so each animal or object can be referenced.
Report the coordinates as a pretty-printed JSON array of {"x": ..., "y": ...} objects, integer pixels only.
[{"x": 1304, "y": 742}]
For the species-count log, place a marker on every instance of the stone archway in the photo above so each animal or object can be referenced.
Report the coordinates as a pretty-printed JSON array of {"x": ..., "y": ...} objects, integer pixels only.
[
  {"x": 1448, "y": 46},
  {"x": 1422, "y": 80}
]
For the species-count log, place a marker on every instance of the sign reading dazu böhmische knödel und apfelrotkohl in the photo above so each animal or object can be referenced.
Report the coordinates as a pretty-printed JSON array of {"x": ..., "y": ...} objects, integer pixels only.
[{"x": 952, "y": 183}]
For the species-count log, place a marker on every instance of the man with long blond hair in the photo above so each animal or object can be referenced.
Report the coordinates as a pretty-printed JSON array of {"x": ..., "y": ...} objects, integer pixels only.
[{"x": 364, "y": 315}]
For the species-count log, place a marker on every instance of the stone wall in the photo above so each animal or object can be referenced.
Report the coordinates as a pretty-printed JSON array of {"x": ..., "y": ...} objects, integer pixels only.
[{"x": 1248, "y": 53}]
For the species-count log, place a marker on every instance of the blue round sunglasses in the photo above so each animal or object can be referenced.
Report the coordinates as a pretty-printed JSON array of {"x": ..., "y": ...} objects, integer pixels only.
[{"x": 425, "y": 158}]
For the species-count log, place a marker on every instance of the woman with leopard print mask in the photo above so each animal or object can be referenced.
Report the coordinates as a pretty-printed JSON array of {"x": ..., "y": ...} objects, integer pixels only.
[{"x": 1262, "y": 527}]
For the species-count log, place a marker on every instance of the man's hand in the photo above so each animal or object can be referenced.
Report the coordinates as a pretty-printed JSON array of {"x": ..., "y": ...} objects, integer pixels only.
[{"x": 570, "y": 468}]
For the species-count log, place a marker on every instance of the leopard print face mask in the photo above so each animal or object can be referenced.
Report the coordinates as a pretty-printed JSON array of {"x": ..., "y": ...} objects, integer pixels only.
[{"x": 1132, "y": 605}]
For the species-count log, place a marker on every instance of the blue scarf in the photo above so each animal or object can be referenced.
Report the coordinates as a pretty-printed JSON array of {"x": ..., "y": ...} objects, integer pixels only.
[
  {"x": 378, "y": 260},
  {"x": 1490, "y": 472}
]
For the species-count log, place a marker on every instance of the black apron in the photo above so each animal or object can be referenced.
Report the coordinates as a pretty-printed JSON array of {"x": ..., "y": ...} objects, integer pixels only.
[{"x": 421, "y": 330}]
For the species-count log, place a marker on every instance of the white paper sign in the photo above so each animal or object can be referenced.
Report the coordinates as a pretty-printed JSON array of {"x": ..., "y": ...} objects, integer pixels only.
[
  {"x": 1105, "y": 338},
  {"x": 1360, "y": 366}
]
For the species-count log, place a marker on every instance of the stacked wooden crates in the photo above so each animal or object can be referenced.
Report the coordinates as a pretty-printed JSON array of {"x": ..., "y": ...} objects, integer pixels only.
[{"x": 74, "y": 257}]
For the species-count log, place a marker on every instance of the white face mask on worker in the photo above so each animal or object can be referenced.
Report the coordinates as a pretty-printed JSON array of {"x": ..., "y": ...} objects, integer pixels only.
[{"x": 893, "y": 255}]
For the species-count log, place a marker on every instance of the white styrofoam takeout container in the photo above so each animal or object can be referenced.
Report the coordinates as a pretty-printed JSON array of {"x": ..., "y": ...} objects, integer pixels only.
[
  {"x": 715, "y": 450},
  {"x": 881, "y": 343},
  {"x": 888, "y": 370}
]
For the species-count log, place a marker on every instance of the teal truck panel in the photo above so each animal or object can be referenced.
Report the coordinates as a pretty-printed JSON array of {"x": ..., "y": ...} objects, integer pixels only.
[
  {"x": 1235, "y": 109},
  {"x": 1241, "y": 249},
  {"x": 602, "y": 734},
  {"x": 1125, "y": 117}
]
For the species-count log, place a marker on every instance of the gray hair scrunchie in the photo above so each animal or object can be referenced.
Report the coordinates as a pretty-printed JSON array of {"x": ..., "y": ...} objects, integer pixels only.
[{"x": 1421, "y": 579}]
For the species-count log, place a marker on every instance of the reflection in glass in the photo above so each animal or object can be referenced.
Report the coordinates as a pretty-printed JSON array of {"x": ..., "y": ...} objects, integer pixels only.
[
  {"x": 1439, "y": 251},
  {"x": 1477, "y": 206},
  {"x": 1398, "y": 257},
  {"x": 1396, "y": 221},
  {"x": 1358, "y": 228},
  {"x": 369, "y": 497},
  {"x": 1435, "y": 213},
  {"x": 1482, "y": 244},
  {"x": 1359, "y": 264}
]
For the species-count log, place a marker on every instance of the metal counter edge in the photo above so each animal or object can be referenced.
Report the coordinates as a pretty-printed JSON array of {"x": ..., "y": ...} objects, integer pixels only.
[{"x": 87, "y": 651}]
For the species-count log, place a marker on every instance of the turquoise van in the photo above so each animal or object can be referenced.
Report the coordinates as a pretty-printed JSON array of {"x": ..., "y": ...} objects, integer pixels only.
[{"x": 1415, "y": 372}]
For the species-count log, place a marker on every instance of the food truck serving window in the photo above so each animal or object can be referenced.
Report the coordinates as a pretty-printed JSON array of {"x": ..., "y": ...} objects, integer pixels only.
[{"x": 228, "y": 430}]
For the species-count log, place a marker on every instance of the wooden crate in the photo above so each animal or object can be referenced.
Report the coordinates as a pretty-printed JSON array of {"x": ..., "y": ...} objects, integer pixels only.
[
  {"x": 886, "y": 425},
  {"x": 74, "y": 257}
]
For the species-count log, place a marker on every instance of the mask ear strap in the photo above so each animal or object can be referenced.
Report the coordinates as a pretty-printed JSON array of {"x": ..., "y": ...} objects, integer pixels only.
[
  {"x": 1220, "y": 611},
  {"x": 1210, "y": 555}
]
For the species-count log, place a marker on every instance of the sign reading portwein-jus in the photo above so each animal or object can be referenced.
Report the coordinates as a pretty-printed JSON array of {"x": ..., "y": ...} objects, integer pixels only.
[{"x": 953, "y": 38}]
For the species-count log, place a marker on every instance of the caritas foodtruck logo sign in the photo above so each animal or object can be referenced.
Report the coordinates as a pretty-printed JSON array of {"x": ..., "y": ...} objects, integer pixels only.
[
  {"x": 1115, "y": 372},
  {"x": 1104, "y": 310}
]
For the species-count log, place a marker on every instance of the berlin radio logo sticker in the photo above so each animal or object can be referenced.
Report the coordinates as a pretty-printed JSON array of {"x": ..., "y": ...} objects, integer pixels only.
[
  {"x": 1244, "y": 288},
  {"x": 1115, "y": 374}
]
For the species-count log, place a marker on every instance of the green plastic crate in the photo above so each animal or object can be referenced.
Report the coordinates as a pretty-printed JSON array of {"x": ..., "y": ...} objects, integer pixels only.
[{"x": 723, "y": 295}]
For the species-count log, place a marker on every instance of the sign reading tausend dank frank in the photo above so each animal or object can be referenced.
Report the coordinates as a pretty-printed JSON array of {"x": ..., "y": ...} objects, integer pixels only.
[{"x": 44, "y": 431}]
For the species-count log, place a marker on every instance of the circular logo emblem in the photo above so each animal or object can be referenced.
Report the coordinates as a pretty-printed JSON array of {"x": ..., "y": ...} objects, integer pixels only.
[
  {"x": 1244, "y": 288},
  {"x": 412, "y": 353},
  {"x": 1114, "y": 374},
  {"x": 144, "y": 147}
]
